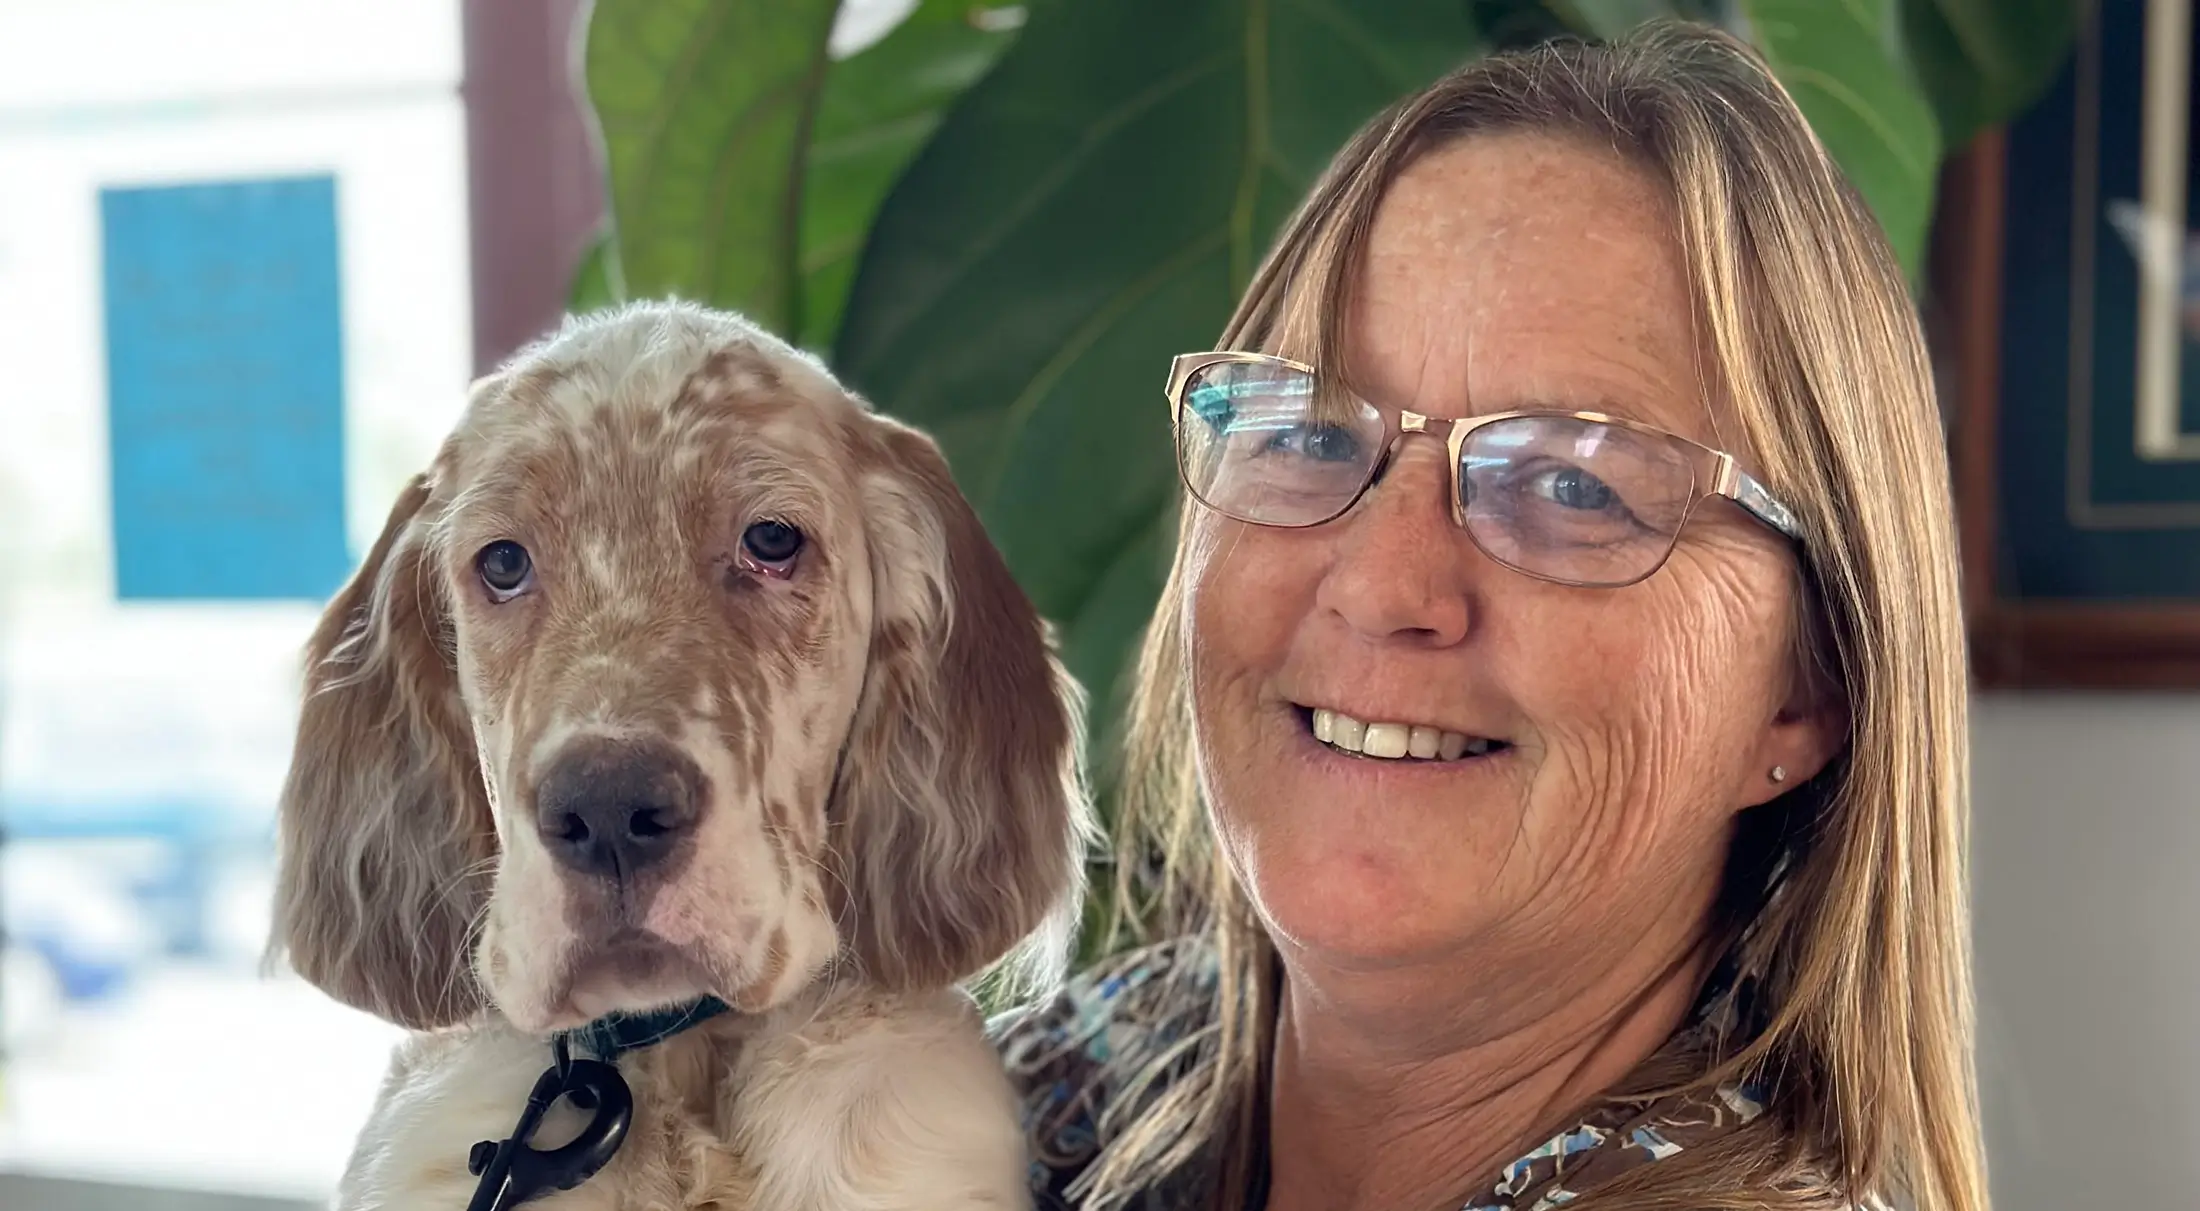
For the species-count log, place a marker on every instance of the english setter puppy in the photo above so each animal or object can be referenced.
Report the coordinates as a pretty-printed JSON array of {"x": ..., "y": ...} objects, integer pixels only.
[{"x": 681, "y": 673}]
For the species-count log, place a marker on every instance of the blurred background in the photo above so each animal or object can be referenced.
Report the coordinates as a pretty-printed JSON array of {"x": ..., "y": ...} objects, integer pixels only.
[{"x": 252, "y": 252}]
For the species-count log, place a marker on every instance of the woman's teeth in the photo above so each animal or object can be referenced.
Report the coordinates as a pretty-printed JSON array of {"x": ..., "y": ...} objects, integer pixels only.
[{"x": 1392, "y": 741}]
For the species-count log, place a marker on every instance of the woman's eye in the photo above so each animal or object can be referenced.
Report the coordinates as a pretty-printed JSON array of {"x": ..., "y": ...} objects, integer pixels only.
[
  {"x": 1574, "y": 488},
  {"x": 1322, "y": 443},
  {"x": 505, "y": 567},
  {"x": 772, "y": 542}
]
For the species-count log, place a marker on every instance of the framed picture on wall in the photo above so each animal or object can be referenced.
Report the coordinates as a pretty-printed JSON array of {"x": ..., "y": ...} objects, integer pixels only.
[{"x": 2066, "y": 282}]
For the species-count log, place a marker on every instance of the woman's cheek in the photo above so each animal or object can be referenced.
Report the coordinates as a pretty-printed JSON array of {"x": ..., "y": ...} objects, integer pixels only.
[{"x": 1620, "y": 716}]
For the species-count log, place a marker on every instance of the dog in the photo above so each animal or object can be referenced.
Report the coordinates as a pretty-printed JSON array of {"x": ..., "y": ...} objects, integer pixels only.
[{"x": 682, "y": 673}]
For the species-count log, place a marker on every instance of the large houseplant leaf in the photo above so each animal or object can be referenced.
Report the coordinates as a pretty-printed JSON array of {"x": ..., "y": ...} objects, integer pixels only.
[
  {"x": 758, "y": 197},
  {"x": 595, "y": 279},
  {"x": 1984, "y": 61},
  {"x": 1842, "y": 62},
  {"x": 1090, "y": 208},
  {"x": 1609, "y": 19},
  {"x": 879, "y": 108},
  {"x": 705, "y": 108}
]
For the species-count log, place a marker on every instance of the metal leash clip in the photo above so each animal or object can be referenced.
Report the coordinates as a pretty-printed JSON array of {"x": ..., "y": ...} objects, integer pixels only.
[{"x": 513, "y": 1173}]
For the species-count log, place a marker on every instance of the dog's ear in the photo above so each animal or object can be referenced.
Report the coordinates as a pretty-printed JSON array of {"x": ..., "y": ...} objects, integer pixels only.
[
  {"x": 959, "y": 813},
  {"x": 386, "y": 839}
]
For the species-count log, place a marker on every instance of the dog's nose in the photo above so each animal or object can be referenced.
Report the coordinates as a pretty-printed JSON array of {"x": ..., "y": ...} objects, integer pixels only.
[{"x": 616, "y": 808}]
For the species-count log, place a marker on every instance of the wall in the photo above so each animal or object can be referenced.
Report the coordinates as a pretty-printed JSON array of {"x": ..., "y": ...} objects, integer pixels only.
[{"x": 2086, "y": 873}]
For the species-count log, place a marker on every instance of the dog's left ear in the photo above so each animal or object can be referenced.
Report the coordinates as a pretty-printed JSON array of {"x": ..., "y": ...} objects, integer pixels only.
[{"x": 960, "y": 813}]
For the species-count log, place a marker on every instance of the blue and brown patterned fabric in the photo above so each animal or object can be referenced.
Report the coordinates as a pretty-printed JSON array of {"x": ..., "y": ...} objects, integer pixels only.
[{"x": 1072, "y": 1056}]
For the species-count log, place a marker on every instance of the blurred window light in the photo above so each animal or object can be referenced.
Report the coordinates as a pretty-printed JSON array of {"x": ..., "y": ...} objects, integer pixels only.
[{"x": 235, "y": 308}]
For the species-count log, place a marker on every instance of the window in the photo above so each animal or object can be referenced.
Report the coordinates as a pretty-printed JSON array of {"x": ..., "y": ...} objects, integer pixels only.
[{"x": 235, "y": 314}]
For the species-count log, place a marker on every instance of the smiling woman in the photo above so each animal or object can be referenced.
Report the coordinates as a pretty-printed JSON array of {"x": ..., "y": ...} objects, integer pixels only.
[{"x": 1546, "y": 778}]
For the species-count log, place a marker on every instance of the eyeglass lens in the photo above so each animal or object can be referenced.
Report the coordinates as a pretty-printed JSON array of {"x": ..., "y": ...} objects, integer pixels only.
[{"x": 1557, "y": 496}]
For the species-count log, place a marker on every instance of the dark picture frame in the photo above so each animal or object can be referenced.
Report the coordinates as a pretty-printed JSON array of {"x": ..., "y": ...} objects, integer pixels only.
[{"x": 2070, "y": 372}]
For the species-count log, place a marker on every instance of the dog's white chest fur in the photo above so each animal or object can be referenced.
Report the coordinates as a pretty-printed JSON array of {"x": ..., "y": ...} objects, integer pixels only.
[{"x": 838, "y": 1103}]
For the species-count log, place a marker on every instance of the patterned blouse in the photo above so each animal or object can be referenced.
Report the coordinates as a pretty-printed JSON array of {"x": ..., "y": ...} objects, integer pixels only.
[{"x": 1071, "y": 1054}]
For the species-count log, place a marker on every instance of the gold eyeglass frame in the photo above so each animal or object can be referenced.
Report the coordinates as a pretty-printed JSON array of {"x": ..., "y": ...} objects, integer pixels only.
[{"x": 1725, "y": 475}]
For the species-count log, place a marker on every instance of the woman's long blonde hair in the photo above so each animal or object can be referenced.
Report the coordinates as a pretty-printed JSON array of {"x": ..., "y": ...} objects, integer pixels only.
[{"x": 1848, "y": 915}]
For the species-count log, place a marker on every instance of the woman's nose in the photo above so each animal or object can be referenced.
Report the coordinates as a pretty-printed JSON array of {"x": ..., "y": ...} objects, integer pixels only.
[{"x": 1402, "y": 566}]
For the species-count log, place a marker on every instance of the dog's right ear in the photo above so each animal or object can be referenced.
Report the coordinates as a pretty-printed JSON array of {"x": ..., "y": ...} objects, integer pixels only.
[{"x": 386, "y": 839}]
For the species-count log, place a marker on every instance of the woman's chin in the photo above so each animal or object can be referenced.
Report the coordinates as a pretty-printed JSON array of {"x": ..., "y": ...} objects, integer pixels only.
[{"x": 1358, "y": 920}]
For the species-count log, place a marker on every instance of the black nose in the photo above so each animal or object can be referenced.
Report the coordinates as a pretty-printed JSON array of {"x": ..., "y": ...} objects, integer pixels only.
[{"x": 615, "y": 808}]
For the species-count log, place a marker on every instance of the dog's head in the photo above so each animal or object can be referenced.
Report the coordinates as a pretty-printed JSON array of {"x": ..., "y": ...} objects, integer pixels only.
[{"x": 679, "y": 672}]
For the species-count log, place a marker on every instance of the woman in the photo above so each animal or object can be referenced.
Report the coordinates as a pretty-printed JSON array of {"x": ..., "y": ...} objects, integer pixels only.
[{"x": 1555, "y": 808}]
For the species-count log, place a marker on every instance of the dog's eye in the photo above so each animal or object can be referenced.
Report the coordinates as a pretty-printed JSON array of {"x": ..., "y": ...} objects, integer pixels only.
[
  {"x": 505, "y": 567},
  {"x": 772, "y": 542}
]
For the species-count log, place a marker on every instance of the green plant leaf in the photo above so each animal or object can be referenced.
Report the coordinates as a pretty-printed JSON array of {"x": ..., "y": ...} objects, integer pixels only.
[
  {"x": 1841, "y": 62},
  {"x": 1090, "y": 208},
  {"x": 705, "y": 107},
  {"x": 595, "y": 279},
  {"x": 1506, "y": 24},
  {"x": 1984, "y": 62},
  {"x": 1610, "y": 18},
  {"x": 879, "y": 107}
]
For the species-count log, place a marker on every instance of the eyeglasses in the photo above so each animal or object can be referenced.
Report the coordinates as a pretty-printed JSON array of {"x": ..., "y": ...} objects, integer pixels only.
[{"x": 1577, "y": 498}]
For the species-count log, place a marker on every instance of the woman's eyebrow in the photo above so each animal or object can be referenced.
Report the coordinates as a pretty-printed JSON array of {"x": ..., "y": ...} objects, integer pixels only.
[
  {"x": 1598, "y": 400},
  {"x": 1621, "y": 409}
]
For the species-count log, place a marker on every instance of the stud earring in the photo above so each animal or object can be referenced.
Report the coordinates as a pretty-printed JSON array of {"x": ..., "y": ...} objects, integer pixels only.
[{"x": 1779, "y": 773}]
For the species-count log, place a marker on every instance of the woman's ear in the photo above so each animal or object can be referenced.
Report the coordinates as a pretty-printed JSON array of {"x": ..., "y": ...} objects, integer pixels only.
[
  {"x": 386, "y": 841},
  {"x": 1808, "y": 730},
  {"x": 960, "y": 817}
]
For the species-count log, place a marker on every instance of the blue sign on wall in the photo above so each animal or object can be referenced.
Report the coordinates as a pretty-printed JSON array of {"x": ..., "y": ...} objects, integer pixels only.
[{"x": 225, "y": 382}]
